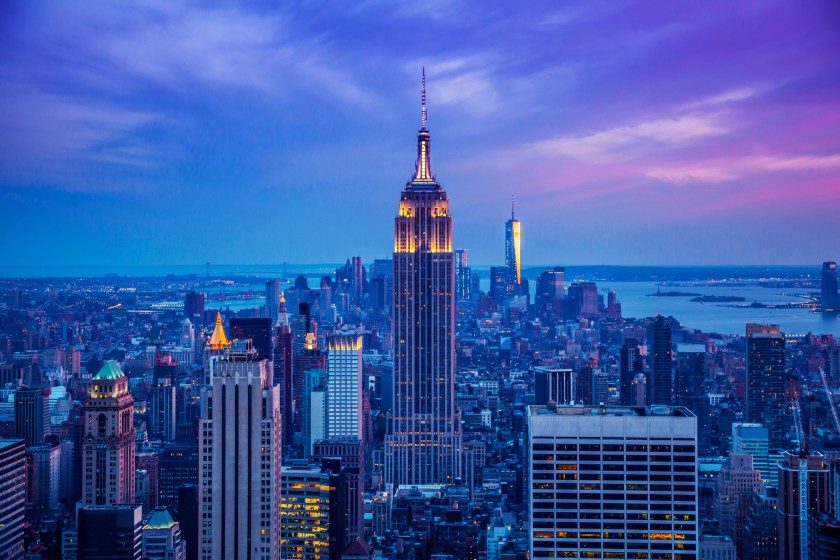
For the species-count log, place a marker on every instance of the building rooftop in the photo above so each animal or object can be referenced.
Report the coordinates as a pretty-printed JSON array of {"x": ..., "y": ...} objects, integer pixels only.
[
  {"x": 110, "y": 371},
  {"x": 4, "y": 443},
  {"x": 160, "y": 519},
  {"x": 590, "y": 410},
  {"x": 691, "y": 348}
]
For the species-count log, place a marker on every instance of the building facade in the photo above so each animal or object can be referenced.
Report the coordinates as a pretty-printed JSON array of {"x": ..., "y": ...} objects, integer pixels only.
[
  {"x": 239, "y": 459},
  {"x": 612, "y": 482},
  {"x": 345, "y": 386},
  {"x": 12, "y": 497},
  {"x": 766, "y": 381}
]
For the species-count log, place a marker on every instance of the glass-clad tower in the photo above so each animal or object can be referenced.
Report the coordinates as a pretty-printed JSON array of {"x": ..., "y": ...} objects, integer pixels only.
[
  {"x": 422, "y": 445},
  {"x": 513, "y": 250}
]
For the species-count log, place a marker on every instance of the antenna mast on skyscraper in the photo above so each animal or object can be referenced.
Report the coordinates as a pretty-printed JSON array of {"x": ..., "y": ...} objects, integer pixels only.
[{"x": 423, "y": 98}]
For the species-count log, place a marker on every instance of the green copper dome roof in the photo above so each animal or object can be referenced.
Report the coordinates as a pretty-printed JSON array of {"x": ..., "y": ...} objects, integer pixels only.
[
  {"x": 160, "y": 519},
  {"x": 110, "y": 371}
]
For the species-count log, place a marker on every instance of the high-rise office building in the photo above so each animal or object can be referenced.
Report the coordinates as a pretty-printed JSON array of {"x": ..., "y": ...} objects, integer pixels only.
[
  {"x": 690, "y": 375},
  {"x": 552, "y": 384},
  {"x": 12, "y": 497},
  {"x": 790, "y": 514},
  {"x": 550, "y": 291},
  {"x": 108, "y": 443},
  {"x": 112, "y": 532},
  {"x": 612, "y": 482},
  {"x": 357, "y": 280},
  {"x": 312, "y": 513},
  {"x": 314, "y": 412},
  {"x": 305, "y": 354},
  {"x": 239, "y": 459},
  {"x": 829, "y": 297},
  {"x": 351, "y": 454},
  {"x": 463, "y": 275},
  {"x": 422, "y": 445},
  {"x": 661, "y": 379},
  {"x": 43, "y": 477},
  {"x": 345, "y": 386},
  {"x": 163, "y": 417},
  {"x": 194, "y": 306},
  {"x": 32, "y": 415},
  {"x": 284, "y": 369},
  {"x": 585, "y": 297},
  {"x": 737, "y": 483},
  {"x": 630, "y": 365},
  {"x": 272, "y": 300},
  {"x": 766, "y": 381},
  {"x": 500, "y": 287},
  {"x": 513, "y": 249}
]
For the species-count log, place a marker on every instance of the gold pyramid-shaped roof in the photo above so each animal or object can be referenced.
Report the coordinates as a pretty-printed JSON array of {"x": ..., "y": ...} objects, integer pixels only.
[{"x": 219, "y": 340}]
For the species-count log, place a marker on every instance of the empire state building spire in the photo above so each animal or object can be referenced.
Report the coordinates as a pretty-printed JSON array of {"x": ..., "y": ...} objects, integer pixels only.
[{"x": 423, "y": 168}]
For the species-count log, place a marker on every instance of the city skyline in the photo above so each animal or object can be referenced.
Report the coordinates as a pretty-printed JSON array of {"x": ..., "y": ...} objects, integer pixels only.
[{"x": 594, "y": 116}]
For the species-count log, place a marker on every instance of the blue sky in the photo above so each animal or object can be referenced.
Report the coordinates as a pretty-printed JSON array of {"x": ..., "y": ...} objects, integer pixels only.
[{"x": 630, "y": 132}]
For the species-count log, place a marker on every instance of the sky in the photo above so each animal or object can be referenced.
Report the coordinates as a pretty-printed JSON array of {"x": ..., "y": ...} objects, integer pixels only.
[{"x": 668, "y": 133}]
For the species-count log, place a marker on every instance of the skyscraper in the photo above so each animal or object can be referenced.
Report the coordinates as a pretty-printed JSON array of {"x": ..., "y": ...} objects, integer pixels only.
[
  {"x": 661, "y": 368},
  {"x": 312, "y": 513},
  {"x": 12, "y": 497},
  {"x": 357, "y": 280},
  {"x": 608, "y": 482},
  {"x": 351, "y": 453},
  {"x": 272, "y": 300},
  {"x": 550, "y": 290},
  {"x": 284, "y": 368},
  {"x": 422, "y": 445},
  {"x": 691, "y": 373},
  {"x": 552, "y": 384},
  {"x": 32, "y": 415},
  {"x": 108, "y": 444},
  {"x": 162, "y": 419},
  {"x": 790, "y": 510},
  {"x": 239, "y": 459},
  {"x": 513, "y": 255},
  {"x": 194, "y": 305},
  {"x": 630, "y": 365},
  {"x": 463, "y": 275},
  {"x": 829, "y": 296},
  {"x": 766, "y": 381},
  {"x": 344, "y": 385},
  {"x": 738, "y": 482}
]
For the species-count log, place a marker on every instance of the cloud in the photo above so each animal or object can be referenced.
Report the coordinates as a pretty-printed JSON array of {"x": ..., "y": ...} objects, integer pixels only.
[
  {"x": 620, "y": 142},
  {"x": 718, "y": 170}
]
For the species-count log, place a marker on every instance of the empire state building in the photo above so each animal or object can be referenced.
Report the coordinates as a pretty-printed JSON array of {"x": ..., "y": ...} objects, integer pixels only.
[{"x": 423, "y": 441}]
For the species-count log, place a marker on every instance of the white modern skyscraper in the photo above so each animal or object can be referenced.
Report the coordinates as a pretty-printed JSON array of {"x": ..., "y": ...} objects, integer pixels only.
[
  {"x": 423, "y": 441},
  {"x": 344, "y": 385},
  {"x": 239, "y": 459},
  {"x": 608, "y": 482}
]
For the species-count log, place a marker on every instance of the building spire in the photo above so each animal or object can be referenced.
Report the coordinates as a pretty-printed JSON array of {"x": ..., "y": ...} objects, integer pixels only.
[
  {"x": 423, "y": 102},
  {"x": 512, "y": 207},
  {"x": 423, "y": 170}
]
